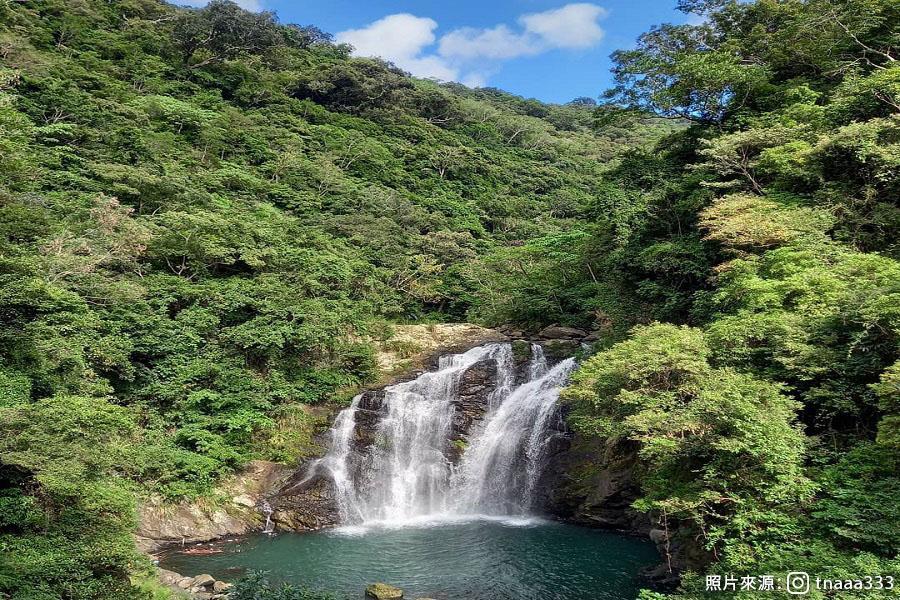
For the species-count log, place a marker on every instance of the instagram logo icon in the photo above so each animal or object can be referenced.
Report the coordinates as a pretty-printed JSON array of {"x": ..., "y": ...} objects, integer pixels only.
[{"x": 797, "y": 583}]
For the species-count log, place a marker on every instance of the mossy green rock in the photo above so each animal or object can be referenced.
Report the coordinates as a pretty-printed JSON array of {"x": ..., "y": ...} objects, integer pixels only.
[
  {"x": 560, "y": 349},
  {"x": 383, "y": 591},
  {"x": 521, "y": 349}
]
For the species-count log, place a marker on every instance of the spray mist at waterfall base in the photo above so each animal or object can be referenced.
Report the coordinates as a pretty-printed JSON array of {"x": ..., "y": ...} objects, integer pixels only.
[{"x": 439, "y": 526}]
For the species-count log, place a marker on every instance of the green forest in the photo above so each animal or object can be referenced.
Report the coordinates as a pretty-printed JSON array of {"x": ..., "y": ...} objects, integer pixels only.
[{"x": 207, "y": 218}]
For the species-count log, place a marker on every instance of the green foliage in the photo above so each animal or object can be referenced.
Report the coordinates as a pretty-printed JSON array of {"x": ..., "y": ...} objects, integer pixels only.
[
  {"x": 256, "y": 586},
  {"x": 73, "y": 539},
  {"x": 788, "y": 383},
  {"x": 860, "y": 493},
  {"x": 823, "y": 319},
  {"x": 743, "y": 222},
  {"x": 147, "y": 585},
  {"x": 719, "y": 448},
  {"x": 679, "y": 71},
  {"x": 204, "y": 216}
]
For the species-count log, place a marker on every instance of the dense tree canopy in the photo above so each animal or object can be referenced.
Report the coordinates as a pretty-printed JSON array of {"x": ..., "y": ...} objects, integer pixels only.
[{"x": 770, "y": 425}]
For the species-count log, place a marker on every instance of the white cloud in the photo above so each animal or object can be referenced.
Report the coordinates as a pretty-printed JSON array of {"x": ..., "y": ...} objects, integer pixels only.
[
  {"x": 470, "y": 54},
  {"x": 393, "y": 37},
  {"x": 430, "y": 66},
  {"x": 497, "y": 43},
  {"x": 251, "y": 5},
  {"x": 475, "y": 79},
  {"x": 572, "y": 26},
  {"x": 401, "y": 39}
]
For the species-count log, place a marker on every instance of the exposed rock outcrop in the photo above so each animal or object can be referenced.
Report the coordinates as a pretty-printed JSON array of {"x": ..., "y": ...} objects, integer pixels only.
[
  {"x": 556, "y": 458},
  {"x": 306, "y": 504},
  {"x": 599, "y": 484},
  {"x": 556, "y": 332},
  {"x": 557, "y": 350},
  {"x": 475, "y": 389},
  {"x": 161, "y": 524}
]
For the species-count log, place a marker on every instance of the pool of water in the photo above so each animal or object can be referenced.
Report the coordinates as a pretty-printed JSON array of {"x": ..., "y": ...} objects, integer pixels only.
[{"x": 475, "y": 559}]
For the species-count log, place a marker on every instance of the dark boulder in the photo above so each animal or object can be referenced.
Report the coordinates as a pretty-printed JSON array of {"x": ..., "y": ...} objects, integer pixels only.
[
  {"x": 557, "y": 350},
  {"x": 368, "y": 414},
  {"x": 556, "y": 332},
  {"x": 306, "y": 504},
  {"x": 383, "y": 591}
]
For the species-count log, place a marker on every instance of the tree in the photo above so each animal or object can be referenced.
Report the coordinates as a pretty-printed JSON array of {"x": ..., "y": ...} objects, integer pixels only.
[
  {"x": 583, "y": 101},
  {"x": 680, "y": 71},
  {"x": 223, "y": 31},
  {"x": 741, "y": 222},
  {"x": 719, "y": 448}
]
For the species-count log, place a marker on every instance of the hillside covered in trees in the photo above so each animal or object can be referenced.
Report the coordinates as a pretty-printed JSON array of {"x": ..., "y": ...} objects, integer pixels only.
[{"x": 208, "y": 217}]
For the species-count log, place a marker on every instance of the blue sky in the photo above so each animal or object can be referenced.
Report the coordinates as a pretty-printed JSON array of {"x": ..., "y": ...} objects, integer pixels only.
[{"x": 552, "y": 50}]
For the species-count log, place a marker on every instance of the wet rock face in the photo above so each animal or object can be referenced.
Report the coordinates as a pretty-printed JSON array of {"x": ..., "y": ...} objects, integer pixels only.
[
  {"x": 557, "y": 350},
  {"x": 556, "y": 461},
  {"x": 521, "y": 357},
  {"x": 475, "y": 388},
  {"x": 681, "y": 550},
  {"x": 368, "y": 414},
  {"x": 473, "y": 394},
  {"x": 307, "y": 502},
  {"x": 599, "y": 486},
  {"x": 304, "y": 505}
]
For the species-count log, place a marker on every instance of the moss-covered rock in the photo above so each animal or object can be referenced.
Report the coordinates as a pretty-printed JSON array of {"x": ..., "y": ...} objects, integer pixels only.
[
  {"x": 521, "y": 350},
  {"x": 383, "y": 591},
  {"x": 557, "y": 350}
]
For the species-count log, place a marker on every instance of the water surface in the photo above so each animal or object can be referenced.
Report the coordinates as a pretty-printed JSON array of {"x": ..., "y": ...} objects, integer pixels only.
[{"x": 448, "y": 559}]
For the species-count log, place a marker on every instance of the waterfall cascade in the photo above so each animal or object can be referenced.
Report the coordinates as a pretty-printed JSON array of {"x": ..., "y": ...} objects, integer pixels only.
[{"x": 406, "y": 474}]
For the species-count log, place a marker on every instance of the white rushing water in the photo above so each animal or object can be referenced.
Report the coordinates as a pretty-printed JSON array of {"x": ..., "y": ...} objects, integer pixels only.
[
  {"x": 499, "y": 470},
  {"x": 406, "y": 477}
]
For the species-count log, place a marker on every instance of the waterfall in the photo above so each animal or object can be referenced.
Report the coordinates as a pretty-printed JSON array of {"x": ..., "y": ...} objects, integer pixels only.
[
  {"x": 500, "y": 468},
  {"x": 406, "y": 474},
  {"x": 336, "y": 461},
  {"x": 267, "y": 510}
]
